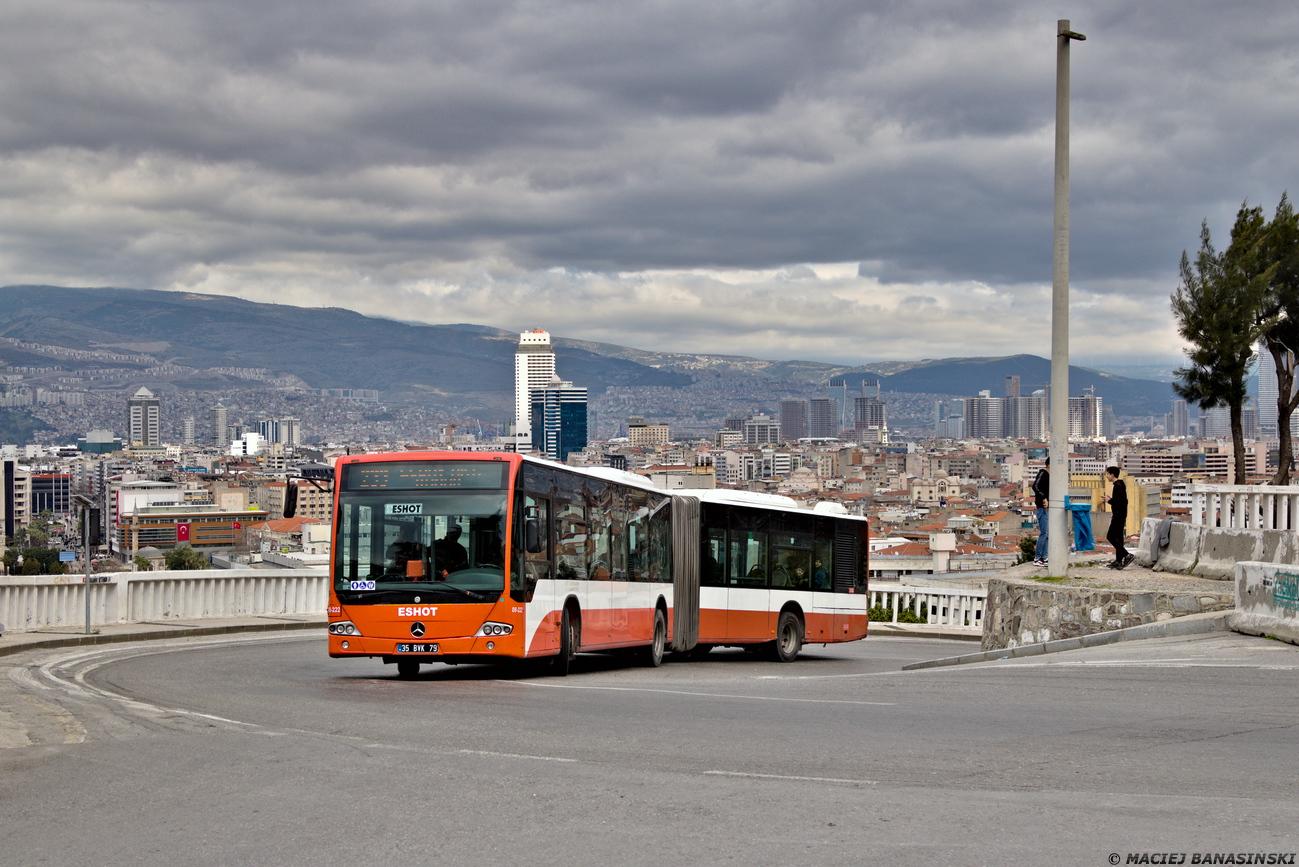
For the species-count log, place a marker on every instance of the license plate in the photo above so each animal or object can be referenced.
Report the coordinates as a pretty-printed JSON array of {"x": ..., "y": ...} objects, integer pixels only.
[{"x": 417, "y": 648}]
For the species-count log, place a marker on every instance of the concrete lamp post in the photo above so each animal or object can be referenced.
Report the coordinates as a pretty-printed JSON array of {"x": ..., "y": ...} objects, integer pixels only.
[{"x": 1057, "y": 552}]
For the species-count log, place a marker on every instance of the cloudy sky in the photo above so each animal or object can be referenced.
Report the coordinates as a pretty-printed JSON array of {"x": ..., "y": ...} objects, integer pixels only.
[{"x": 839, "y": 181}]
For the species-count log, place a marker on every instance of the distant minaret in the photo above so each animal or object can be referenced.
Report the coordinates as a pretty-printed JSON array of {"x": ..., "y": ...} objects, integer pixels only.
[{"x": 534, "y": 367}]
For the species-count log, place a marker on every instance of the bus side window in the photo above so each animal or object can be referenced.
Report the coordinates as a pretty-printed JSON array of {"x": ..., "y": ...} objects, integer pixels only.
[
  {"x": 712, "y": 572},
  {"x": 570, "y": 528}
]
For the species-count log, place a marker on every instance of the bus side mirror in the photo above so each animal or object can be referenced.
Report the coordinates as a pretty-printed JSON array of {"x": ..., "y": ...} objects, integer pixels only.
[{"x": 532, "y": 542}]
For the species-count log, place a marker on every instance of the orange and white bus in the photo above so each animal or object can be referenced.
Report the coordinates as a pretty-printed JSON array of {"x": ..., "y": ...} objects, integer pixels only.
[{"x": 460, "y": 557}]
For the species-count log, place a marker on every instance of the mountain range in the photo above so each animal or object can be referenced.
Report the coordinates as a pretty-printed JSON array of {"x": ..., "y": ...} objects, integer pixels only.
[{"x": 176, "y": 340}]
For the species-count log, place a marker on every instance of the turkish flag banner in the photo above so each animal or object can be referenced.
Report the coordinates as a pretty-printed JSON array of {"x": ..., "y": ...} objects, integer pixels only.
[
  {"x": 182, "y": 532},
  {"x": 238, "y": 526}
]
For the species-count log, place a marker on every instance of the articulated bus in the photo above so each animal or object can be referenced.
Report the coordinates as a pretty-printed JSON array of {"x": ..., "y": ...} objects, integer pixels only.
[{"x": 460, "y": 557}]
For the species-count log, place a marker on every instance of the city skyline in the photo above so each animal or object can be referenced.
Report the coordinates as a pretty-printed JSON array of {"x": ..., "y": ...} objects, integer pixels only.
[{"x": 843, "y": 182}]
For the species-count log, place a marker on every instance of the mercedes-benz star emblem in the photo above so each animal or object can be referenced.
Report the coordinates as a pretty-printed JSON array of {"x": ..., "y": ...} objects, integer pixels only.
[{"x": 417, "y": 630}]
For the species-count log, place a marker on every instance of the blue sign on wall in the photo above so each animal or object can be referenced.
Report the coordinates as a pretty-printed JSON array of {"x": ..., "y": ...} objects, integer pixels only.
[{"x": 67, "y": 556}]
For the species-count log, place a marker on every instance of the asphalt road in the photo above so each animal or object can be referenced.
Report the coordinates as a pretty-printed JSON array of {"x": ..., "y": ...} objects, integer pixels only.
[{"x": 265, "y": 751}]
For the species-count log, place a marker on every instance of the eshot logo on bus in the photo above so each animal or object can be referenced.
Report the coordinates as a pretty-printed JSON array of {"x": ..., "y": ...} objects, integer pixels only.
[
  {"x": 360, "y": 585},
  {"x": 404, "y": 508},
  {"x": 418, "y": 611}
]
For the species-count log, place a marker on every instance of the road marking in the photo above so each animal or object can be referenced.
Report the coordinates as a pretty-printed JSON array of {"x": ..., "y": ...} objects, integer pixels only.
[
  {"x": 784, "y": 777},
  {"x": 709, "y": 694},
  {"x": 1149, "y": 663},
  {"x": 515, "y": 756}
]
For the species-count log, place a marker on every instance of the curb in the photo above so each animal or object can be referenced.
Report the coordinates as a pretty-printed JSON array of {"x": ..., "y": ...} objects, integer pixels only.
[
  {"x": 156, "y": 634},
  {"x": 880, "y": 630},
  {"x": 1195, "y": 624}
]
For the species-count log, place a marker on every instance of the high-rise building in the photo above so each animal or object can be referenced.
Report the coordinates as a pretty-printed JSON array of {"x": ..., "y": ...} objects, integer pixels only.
[
  {"x": 558, "y": 420},
  {"x": 219, "y": 419},
  {"x": 823, "y": 419},
  {"x": 269, "y": 428},
  {"x": 1086, "y": 417},
  {"x": 291, "y": 432},
  {"x": 984, "y": 416},
  {"x": 1024, "y": 416},
  {"x": 1178, "y": 422},
  {"x": 143, "y": 419},
  {"x": 534, "y": 367},
  {"x": 837, "y": 390},
  {"x": 1012, "y": 385},
  {"x": 793, "y": 420},
  {"x": 187, "y": 431},
  {"x": 869, "y": 412}
]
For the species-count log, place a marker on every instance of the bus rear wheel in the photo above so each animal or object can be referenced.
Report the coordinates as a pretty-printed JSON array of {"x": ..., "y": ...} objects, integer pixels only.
[
  {"x": 652, "y": 654},
  {"x": 789, "y": 637},
  {"x": 407, "y": 668}
]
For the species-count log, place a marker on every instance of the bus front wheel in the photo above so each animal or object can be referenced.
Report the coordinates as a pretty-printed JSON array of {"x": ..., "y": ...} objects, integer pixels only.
[
  {"x": 568, "y": 643},
  {"x": 789, "y": 637}
]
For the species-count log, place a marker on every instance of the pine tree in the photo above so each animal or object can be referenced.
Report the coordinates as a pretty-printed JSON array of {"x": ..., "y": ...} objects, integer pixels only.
[
  {"x": 1217, "y": 306},
  {"x": 1280, "y": 316}
]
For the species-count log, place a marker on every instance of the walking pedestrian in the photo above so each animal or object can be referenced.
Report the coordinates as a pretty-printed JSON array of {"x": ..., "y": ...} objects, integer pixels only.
[{"x": 1118, "y": 500}]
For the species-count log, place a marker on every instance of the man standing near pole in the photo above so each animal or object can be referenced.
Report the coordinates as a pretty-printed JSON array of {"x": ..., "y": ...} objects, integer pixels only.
[{"x": 1041, "y": 499}]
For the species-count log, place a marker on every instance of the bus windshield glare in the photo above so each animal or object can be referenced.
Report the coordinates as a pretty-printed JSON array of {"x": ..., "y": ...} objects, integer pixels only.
[{"x": 418, "y": 546}]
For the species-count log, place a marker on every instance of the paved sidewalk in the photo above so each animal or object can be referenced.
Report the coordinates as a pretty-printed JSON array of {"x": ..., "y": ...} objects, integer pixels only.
[{"x": 68, "y": 636}]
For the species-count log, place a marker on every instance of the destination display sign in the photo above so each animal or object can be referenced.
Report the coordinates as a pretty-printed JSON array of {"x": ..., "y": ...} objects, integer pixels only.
[{"x": 424, "y": 475}]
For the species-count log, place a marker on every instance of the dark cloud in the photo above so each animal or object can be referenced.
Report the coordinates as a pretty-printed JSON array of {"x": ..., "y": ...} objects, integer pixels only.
[{"x": 307, "y": 149}]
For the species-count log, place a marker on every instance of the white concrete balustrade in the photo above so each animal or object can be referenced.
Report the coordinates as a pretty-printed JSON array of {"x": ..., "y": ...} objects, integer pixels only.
[
  {"x": 28, "y": 603},
  {"x": 1245, "y": 507},
  {"x": 953, "y": 607}
]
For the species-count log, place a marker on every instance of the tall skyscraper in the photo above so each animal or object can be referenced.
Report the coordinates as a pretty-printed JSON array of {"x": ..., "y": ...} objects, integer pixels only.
[
  {"x": 984, "y": 416},
  {"x": 837, "y": 390},
  {"x": 534, "y": 367},
  {"x": 269, "y": 428},
  {"x": 793, "y": 420},
  {"x": 143, "y": 419},
  {"x": 219, "y": 419},
  {"x": 1178, "y": 422},
  {"x": 558, "y": 419},
  {"x": 868, "y": 412},
  {"x": 291, "y": 432},
  {"x": 1086, "y": 417},
  {"x": 823, "y": 418},
  {"x": 187, "y": 431}
]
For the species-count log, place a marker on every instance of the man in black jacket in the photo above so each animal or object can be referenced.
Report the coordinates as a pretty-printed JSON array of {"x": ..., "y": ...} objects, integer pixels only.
[
  {"x": 1041, "y": 493},
  {"x": 1118, "y": 500}
]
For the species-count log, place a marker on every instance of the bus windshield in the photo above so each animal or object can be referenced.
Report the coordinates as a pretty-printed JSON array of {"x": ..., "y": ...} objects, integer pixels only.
[{"x": 417, "y": 546}]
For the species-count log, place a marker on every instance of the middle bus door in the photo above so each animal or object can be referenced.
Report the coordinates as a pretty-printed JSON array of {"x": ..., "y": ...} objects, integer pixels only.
[{"x": 748, "y": 597}]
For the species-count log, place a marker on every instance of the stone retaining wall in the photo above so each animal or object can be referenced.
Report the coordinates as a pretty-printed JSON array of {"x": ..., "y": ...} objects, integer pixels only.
[{"x": 1030, "y": 612}]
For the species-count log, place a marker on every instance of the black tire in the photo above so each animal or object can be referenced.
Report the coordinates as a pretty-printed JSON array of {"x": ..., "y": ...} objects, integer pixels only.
[
  {"x": 652, "y": 654},
  {"x": 407, "y": 668},
  {"x": 568, "y": 643},
  {"x": 789, "y": 637}
]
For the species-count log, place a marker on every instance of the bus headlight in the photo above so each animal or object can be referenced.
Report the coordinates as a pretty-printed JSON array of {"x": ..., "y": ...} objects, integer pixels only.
[
  {"x": 492, "y": 628},
  {"x": 343, "y": 627}
]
